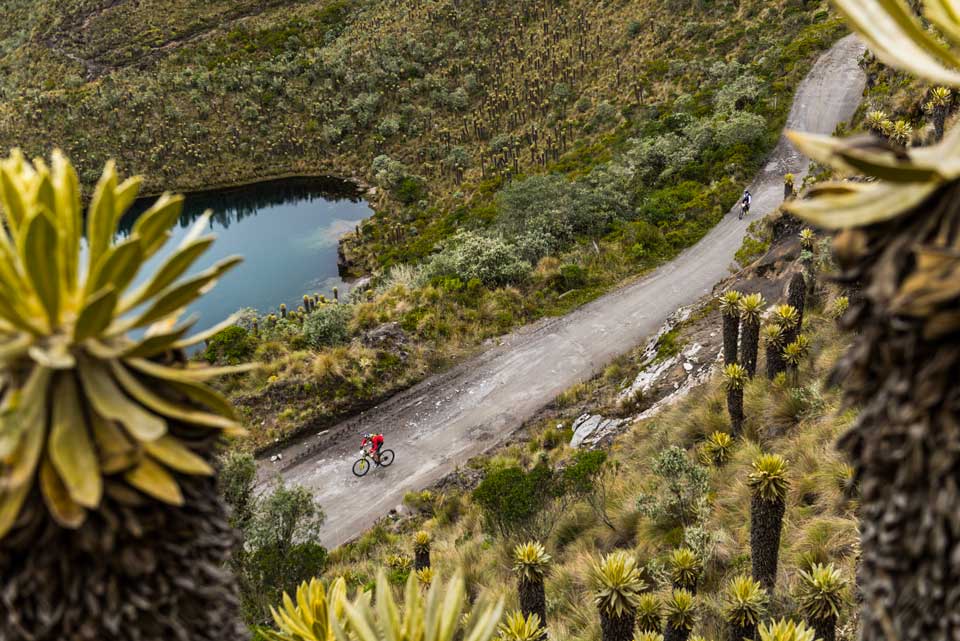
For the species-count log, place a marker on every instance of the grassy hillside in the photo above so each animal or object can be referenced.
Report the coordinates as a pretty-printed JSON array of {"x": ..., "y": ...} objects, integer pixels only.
[
  {"x": 798, "y": 417},
  {"x": 528, "y": 155}
]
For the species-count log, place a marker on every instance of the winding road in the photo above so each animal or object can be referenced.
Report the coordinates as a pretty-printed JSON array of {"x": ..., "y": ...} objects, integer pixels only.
[{"x": 443, "y": 421}]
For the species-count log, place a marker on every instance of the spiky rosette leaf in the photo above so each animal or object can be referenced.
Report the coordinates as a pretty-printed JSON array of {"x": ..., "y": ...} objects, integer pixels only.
[
  {"x": 435, "y": 614},
  {"x": 617, "y": 583},
  {"x": 839, "y": 306},
  {"x": 768, "y": 479},
  {"x": 735, "y": 376},
  {"x": 786, "y": 316},
  {"x": 793, "y": 354},
  {"x": 744, "y": 601},
  {"x": 685, "y": 567},
  {"x": 399, "y": 562},
  {"x": 648, "y": 636},
  {"x": 718, "y": 447},
  {"x": 729, "y": 302},
  {"x": 311, "y": 616},
  {"x": 772, "y": 334},
  {"x": 517, "y": 627},
  {"x": 425, "y": 576},
  {"x": 785, "y": 630},
  {"x": 940, "y": 97},
  {"x": 649, "y": 612},
  {"x": 84, "y": 403},
  {"x": 751, "y": 307},
  {"x": 681, "y": 609},
  {"x": 422, "y": 541},
  {"x": 530, "y": 561},
  {"x": 789, "y": 179},
  {"x": 875, "y": 120},
  {"x": 821, "y": 592},
  {"x": 807, "y": 238}
]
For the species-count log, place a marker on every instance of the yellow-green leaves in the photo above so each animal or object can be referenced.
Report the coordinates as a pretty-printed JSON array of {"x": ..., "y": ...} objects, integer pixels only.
[
  {"x": 894, "y": 34},
  {"x": 617, "y": 583},
  {"x": 436, "y": 614},
  {"x": 84, "y": 404}
]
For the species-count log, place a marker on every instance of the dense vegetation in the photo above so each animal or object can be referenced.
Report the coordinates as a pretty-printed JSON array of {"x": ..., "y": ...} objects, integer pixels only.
[
  {"x": 528, "y": 155},
  {"x": 696, "y": 515}
]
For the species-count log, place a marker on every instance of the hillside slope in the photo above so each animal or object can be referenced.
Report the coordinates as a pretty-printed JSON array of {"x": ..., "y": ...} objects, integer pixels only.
[{"x": 437, "y": 425}]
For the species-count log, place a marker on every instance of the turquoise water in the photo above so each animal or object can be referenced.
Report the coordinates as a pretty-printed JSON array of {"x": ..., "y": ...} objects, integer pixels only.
[{"x": 287, "y": 232}]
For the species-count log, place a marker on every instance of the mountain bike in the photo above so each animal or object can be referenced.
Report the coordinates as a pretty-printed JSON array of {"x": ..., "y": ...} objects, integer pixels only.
[
  {"x": 366, "y": 461},
  {"x": 744, "y": 208}
]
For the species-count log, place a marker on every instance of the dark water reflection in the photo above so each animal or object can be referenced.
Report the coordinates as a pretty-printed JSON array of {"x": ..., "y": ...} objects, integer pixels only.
[{"x": 286, "y": 230}]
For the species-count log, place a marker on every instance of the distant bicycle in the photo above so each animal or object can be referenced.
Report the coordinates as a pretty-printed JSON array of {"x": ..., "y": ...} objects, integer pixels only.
[
  {"x": 366, "y": 461},
  {"x": 745, "y": 203}
]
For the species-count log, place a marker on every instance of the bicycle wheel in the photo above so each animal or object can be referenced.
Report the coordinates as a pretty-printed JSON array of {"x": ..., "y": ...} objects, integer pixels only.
[
  {"x": 386, "y": 457},
  {"x": 361, "y": 467}
]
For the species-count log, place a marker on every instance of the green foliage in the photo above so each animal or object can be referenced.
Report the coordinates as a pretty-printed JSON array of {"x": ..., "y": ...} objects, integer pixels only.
[
  {"x": 516, "y": 627},
  {"x": 718, "y": 448},
  {"x": 821, "y": 592},
  {"x": 768, "y": 480},
  {"x": 745, "y": 601},
  {"x": 649, "y": 613},
  {"x": 616, "y": 583},
  {"x": 238, "y": 473},
  {"x": 280, "y": 549},
  {"x": 679, "y": 496},
  {"x": 489, "y": 259},
  {"x": 530, "y": 560},
  {"x": 231, "y": 346},
  {"x": 680, "y": 609},
  {"x": 785, "y": 630},
  {"x": 328, "y": 325},
  {"x": 512, "y": 499},
  {"x": 685, "y": 568}
]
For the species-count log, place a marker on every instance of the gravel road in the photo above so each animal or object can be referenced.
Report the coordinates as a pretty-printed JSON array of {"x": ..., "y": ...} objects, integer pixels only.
[{"x": 443, "y": 421}]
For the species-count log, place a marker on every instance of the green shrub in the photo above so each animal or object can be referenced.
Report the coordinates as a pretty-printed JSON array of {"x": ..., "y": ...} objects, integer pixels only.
[
  {"x": 328, "y": 326},
  {"x": 232, "y": 345},
  {"x": 511, "y": 499},
  {"x": 489, "y": 259},
  {"x": 572, "y": 277}
]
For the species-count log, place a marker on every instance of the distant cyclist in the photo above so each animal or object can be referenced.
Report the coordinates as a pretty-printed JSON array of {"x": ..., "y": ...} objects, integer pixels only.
[
  {"x": 745, "y": 203},
  {"x": 376, "y": 443}
]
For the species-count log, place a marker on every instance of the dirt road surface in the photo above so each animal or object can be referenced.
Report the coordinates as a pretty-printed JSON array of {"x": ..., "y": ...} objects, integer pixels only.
[{"x": 440, "y": 423}]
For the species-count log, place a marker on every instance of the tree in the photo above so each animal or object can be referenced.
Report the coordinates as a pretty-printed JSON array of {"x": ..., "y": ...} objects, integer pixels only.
[
  {"x": 820, "y": 594},
  {"x": 281, "y": 549},
  {"x": 768, "y": 482},
  {"x": 680, "y": 491},
  {"x": 797, "y": 297},
  {"x": 238, "y": 474},
  {"x": 745, "y": 604},
  {"x": 773, "y": 340},
  {"x": 788, "y": 318},
  {"x": 108, "y": 440},
  {"x": 438, "y": 615},
  {"x": 788, "y": 186},
  {"x": 681, "y": 615},
  {"x": 649, "y": 613},
  {"x": 735, "y": 377},
  {"x": 617, "y": 587},
  {"x": 730, "y": 312},
  {"x": 589, "y": 476},
  {"x": 685, "y": 569},
  {"x": 938, "y": 106},
  {"x": 901, "y": 367},
  {"x": 807, "y": 258},
  {"x": 421, "y": 550},
  {"x": 751, "y": 308},
  {"x": 530, "y": 561}
]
